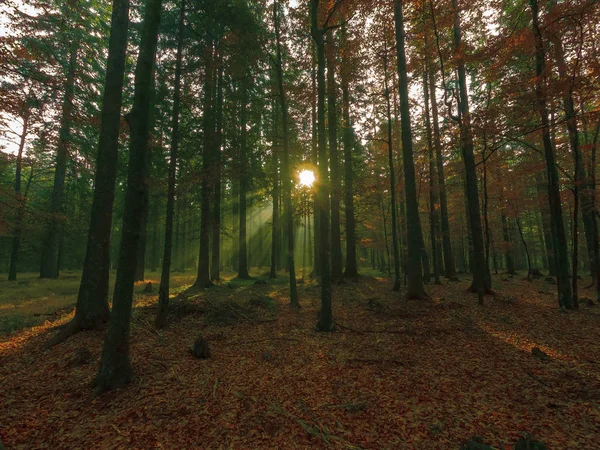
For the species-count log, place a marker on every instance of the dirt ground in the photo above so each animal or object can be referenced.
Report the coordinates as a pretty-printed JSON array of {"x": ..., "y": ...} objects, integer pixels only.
[{"x": 395, "y": 374}]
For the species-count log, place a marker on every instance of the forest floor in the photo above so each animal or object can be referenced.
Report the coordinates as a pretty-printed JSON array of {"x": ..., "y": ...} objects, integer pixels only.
[{"x": 395, "y": 374}]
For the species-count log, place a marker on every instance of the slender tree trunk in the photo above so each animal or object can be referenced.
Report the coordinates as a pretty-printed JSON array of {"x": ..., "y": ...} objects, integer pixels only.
[
  {"x": 392, "y": 180},
  {"x": 50, "y": 247},
  {"x": 565, "y": 299},
  {"x": 449, "y": 268},
  {"x": 325, "y": 319},
  {"x": 508, "y": 254},
  {"x": 433, "y": 199},
  {"x": 529, "y": 267},
  {"x": 286, "y": 174},
  {"x": 92, "y": 301},
  {"x": 215, "y": 272},
  {"x": 140, "y": 267},
  {"x": 315, "y": 160},
  {"x": 115, "y": 367},
  {"x": 163, "y": 290},
  {"x": 203, "y": 278},
  {"x": 18, "y": 229},
  {"x": 243, "y": 244},
  {"x": 348, "y": 139},
  {"x": 336, "y": 188},
  {"x": 415, "y": 240},
  {"x": 542, "y": 191},
  {"x": 481, "y": 276},
  {"x": 275, "y": 196}
]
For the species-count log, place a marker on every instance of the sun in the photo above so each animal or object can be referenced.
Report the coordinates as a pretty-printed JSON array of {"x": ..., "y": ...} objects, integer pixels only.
[{"x": 306, "y": 177}]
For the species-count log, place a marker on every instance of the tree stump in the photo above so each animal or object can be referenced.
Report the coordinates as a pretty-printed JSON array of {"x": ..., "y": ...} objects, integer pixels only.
[
  {"x": 148, "y": 288},
  {"x": 201, "y": 349}
]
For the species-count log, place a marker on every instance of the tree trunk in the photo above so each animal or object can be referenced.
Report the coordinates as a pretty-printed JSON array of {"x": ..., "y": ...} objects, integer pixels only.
[
  {"x": 315, "y": 161},
  {"x": 92, "y": 301},
  {"x": 203, "y": 278},
  {"x": 415, "y": 287},
  {"x": 336, "y": 188},
  {"x": 285, "y": 166},
  {"x": 348, "y": 139},
  {"x": 449, "y": 268},
  {"x": 18, "y": 229},
  {"x": 50, "y": 247},
  {"x": 559, "y": 241},
  {"x": 481, "y": 276},
  {"x": 243, "y": 244},
  {"x": 433, "y": 199},
  {"x": 325, "y": 319},
  {"x": 508, "y": 254},
  {"x": 163, "y": 290},
  {"x": 115, "y": 367},
  {"x": 529, "y": 268},
  {"x": 275, "y": 197},
  {"x": 215, "y": 271},
  {"x": 396, "y": 250}
]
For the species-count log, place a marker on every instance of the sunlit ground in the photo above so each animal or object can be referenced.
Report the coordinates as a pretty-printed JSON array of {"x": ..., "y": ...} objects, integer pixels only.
[
  {"x": 30, "y": 301},
  {"x": 424, "y": 374}
]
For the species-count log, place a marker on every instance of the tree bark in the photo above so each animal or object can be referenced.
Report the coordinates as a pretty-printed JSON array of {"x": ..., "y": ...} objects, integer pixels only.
[
  {"x": 285, "y": 165},
  {"x": 243, "y": 244},
  {"x": 481, "y": 276},
  {"x": 559, "y": 240},
  {"x": 115, "y": 367},
  {"x": 390, "y": 146},
  {"x": 215, "y": 265},
  {"x": 275, "y": 197},
  {"x": 50, "y": 247},
  {"x": 325, "y": 318},
  {"x": 348, "y": 139},
  {"x": 336, "y": 188},
  {"x": 18, "y": 229},
  {"x": 92, "y": 310},
  {"x": 415, "y": 287},
  {"x": 163, "y": 290},
  {"x": 203, "y": 277},
  {"x": 433, "y": 198}
]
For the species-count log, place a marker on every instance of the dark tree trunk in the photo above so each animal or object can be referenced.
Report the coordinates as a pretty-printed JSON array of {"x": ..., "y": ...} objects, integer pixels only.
[
  {"x": 285, "y": 166},
  {"x": 92, "y": 301},
  {"x": 542, "y": 191},
  {"x": 163, "y": 290},
  {"x": 390, "y": 146},
  {"x": 50, "y": 247},
  {"x": 215, "y": 269},
  {"x": 348, "y": 140},
  {"x": 415, "y": 287},
  {"x": 243, "y": 244},
  {"x": 203, "y": 277},
  {"x": 508, "y": 254},
  {"x": 336, "y": 188},
  {"x": 449, "y": 269},
  {"x": 481, "y": 276},
  {"x": 275, "y": 197},
  {"x": 18, "y": 229},
  {"x": 433, "y": 198},
  {"x": 140, "y": 266},
  {"x": 115, "y": 367},
  {"x": 529, "y": 267},
  {"x": 559, "y": 240},
  {"x": 325, "y": 319},
  {"x": 315, "y": 161}
]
